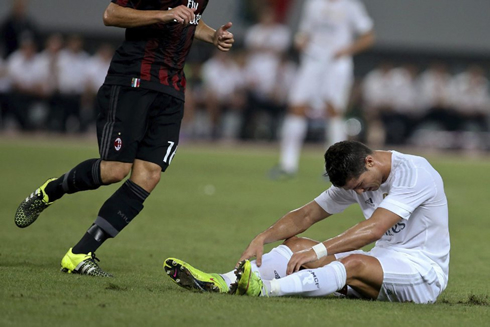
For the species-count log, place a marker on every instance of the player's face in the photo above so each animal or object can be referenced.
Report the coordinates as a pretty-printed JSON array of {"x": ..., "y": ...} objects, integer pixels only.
[{"x": 369, "y": 180}]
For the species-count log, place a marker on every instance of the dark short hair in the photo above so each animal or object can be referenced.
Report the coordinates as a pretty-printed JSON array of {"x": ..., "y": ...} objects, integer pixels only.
[{"x": 345, "y": 160}]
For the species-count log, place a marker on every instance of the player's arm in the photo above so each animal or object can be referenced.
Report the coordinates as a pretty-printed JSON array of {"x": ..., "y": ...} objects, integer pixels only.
[
  {"x": 221, "y": 38},
  {"x": 361, "y": 43},
  {"x": 356, "y": 237},
  {"x": 125, "y": 17},
  {"x": 291, "y": 224}
]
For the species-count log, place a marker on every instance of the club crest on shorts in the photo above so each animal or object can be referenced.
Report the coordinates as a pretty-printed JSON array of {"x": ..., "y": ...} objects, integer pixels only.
[{"x": 118, "y": 144}]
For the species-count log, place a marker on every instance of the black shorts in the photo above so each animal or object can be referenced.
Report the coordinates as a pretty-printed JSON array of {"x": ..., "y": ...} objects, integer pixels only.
[{"x": 136, "y": 123}]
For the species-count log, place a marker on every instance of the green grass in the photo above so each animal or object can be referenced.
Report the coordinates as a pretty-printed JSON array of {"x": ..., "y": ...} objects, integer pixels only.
[{"x": 208, "y": 206}]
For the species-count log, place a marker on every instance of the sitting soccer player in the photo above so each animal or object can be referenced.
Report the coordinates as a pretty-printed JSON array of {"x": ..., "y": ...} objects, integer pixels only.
[{"x": 402, "y": 198}]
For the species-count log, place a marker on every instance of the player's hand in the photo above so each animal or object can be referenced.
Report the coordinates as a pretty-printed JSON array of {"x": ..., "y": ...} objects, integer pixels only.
[
  {"x": 181, "y": 14},
  {"x": 254, "y": 249},
  {"x": 223, "y": 39},
  {"x": 300, "y": 258}
]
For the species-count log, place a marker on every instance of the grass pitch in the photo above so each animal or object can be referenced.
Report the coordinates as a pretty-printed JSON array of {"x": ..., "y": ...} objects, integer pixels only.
[{"x": 208, "y": 206}]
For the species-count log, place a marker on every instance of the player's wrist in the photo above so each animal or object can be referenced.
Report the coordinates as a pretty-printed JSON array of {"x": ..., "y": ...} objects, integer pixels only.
[{"x": 320, "y": 250}]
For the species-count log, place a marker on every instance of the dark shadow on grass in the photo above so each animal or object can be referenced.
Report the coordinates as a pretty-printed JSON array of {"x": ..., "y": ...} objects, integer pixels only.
[{"x": 472, "y": 300}]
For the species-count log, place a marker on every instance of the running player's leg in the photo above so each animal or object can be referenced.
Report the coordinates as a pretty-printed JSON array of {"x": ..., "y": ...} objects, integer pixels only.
[
  {"x": 295, "y": 123},
  {"x": 337, "y": 87},
  {"x": 120, "y": 130}
]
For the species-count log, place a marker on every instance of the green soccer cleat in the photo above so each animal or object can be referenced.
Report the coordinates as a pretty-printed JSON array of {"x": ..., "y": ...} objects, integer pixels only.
[
  {"x": 83, "y": 264},
  {"x": 248, "y": 282},
  {"x": 32, "y": 206},
  {"x": 188, "y": 277}
]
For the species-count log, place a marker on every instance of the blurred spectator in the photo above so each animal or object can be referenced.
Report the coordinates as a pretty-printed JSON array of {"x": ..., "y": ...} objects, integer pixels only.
[
  {"x": 25, "y": 71},
  {"x": 16, "y": 27},
  {"x": 72, "y": 81},
  {"x": 4, "y": 91},
  {"x": 434, "y": 93},
  {"x": 400, "y": 121},
  {"x": 49, "y": 60},
  {"x": 330, "y": 33},
  {"x": 97, "y": 67},
  {"x": 266, "y": 44},
  {"x": 470, "y": 97},
  {"x": 377, "y": 98},
  {"x": 224, "y": 95}
]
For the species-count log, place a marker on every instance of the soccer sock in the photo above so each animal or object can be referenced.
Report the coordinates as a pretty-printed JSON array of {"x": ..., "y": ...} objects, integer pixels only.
[
  {"x": 274, "y": 265},
  {"x": 93, "y": 238},
  {"x": 335, "y": 130},
  {"x": 310, "y": 282},
  {"x": 85, "y": 176},
  {"x": 292, "y": 136},
  {"x": 120, "y": 209}
]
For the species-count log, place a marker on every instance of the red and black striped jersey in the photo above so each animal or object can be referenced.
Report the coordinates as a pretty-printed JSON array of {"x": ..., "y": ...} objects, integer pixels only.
[{"x": 153, "y": 56}]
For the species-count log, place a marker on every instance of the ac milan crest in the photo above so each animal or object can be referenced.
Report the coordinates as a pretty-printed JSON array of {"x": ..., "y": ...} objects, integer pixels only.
[{"x": 118, "y": 144}]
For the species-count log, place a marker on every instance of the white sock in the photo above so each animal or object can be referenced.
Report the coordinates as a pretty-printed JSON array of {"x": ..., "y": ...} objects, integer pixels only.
[
  {"x": 292, "y": 136},
  {"x": 310, "y": 282},
  {"x": 336, "y": 131},
  {"x": 274, "y": 265}
]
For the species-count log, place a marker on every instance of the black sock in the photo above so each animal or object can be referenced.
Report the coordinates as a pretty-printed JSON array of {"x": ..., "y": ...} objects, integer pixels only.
[
  {"x": 120, "y": 209},
  {"x": 93, "y": 238},
  {"x": 85, "y": 176}
]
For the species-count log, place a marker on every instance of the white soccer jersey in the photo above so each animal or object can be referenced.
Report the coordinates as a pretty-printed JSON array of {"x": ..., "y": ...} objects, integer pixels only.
[
  {"x": 414, "y": 190},
  {"x": 332, "y": 25}
]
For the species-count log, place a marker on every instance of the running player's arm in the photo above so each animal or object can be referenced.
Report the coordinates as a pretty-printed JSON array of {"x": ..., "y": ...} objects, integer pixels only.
[
  {"x": 221, "y": 38},
  {"x": 291, "y": 224},
  {"x": 125, "y": 17}
]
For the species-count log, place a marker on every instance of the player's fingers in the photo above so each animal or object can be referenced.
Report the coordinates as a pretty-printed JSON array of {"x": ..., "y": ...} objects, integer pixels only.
[
  {"x": 258, "y": 258},
  {"x": 227, "y": 26}
]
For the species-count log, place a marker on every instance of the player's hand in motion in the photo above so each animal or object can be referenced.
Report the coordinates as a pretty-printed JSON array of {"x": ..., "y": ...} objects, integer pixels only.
[
  {"x": 300, "y": 258},
  {"x": 223, "y": 39},
  {"x": 254, "y": 249},
  {"x": 180, "y": 14}
]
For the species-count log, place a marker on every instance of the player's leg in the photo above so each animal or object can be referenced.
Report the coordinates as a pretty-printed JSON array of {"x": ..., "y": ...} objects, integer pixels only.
[
  {"x": 274, "y": 264},
  {"x": 89, "y": 174},
  {"x": 364, "y": 273},
  {"x": 336, "y": 92},
  {"x": 120, "y": 130},
  {"x": 295, "y": 125}
]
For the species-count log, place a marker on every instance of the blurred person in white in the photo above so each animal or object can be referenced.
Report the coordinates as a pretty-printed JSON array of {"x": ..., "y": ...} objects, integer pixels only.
[
  {"x": 433, "y": 89},
  {"x": 17, "y": 26},
  {"x": 265, "y": 42},
  {"x": 470, "y": 98},
  {"x": 224, "y": 95},
  {"x": 400, "y": 122},
  {"x": 26, "y": 73},
  {"x": 377, "y": 98},
  {"x": 72, "y": 81},
  {"x": 330, "y": 33},
  {"x": 49, "y": 60},
  {"x": 97, "y": 67}
]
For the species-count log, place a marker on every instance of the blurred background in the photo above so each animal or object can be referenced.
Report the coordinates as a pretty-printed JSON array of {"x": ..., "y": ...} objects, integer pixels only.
[{"x": 423, "y": 84}]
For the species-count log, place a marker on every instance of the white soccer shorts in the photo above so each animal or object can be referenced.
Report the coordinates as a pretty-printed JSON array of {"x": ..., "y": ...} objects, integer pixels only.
[{"x": 404, "y": 280}]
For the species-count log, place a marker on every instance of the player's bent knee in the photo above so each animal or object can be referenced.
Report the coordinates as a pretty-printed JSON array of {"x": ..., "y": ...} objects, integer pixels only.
[
  {"x": 113, "y": 172},
  {"x": 355, "y": 264},
  {"x": 296, "y": 244}
]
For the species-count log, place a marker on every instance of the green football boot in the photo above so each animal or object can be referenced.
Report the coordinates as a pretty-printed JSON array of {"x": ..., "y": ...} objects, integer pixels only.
[
  {"x": 32, "y": 206},
  {"x": 248, "y": 282},
  {"x": 83, "y": 264},
  {"x": 188, "y": 277}
]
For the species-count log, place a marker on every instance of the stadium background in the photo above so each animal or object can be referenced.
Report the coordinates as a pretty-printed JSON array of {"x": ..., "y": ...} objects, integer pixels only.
[{"x": 214, "y": 200}]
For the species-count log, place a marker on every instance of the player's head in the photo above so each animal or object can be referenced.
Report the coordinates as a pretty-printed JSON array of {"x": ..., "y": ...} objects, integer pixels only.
[{"x": 345, "y": 160}]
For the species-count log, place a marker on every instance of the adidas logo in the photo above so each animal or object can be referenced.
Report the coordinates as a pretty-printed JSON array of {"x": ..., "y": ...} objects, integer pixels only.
[{"x": 369, "y": 202}]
